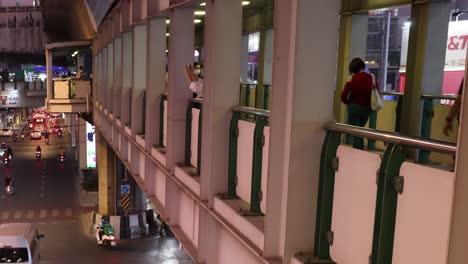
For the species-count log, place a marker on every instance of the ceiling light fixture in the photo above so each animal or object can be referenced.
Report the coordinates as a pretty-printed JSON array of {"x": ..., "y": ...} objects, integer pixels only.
[
  {"x": 199, "y": 13},
  {"x": 196, "y": 21},
  {"x": 244, "y": 3},
  {"x": 168, "y": 21},
  {"x": 167, "y": 34},
  {"x": 203, "y": 4}
]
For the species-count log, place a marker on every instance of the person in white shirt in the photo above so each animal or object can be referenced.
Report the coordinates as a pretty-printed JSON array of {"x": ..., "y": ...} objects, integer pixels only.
[{"x": 195, "y": 82}]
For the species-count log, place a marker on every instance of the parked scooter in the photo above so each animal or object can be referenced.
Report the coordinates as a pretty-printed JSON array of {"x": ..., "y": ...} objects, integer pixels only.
[{"x": 38, "y": 155}]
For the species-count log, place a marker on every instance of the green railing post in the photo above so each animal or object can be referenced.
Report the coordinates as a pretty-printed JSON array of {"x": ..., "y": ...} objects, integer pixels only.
[
  {"x": 398, "y": 110},
  {"x": 143, "y": 129},
  {"x": 325, "y": 194},
  {"x": 188, "y": 133},
  {"x": 386, "y": 205},
  {"x": 256, "y": 194},
  {"x": 232, "y": 173},
  {"x": 247, "y": 95},
  {"x": 373, "y": 125},
  {"x": 426, "y": 122},
  {"x": 266, "y": 95},
  {"x": 240, "y": 94},
  {"x": 199, "y": 141},
  {"x": 161, "y": 120}
]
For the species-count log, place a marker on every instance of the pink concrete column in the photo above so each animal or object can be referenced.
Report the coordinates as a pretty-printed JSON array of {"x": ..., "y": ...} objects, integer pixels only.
[
  {"x": 181, "y": 49},
  {"x": 156, "y": 78},
  {"x": 304, "y": 70}
]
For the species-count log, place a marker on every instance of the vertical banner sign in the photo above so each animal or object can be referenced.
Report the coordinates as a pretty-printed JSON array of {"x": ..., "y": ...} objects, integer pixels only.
[{"x": 90, "y": 146}]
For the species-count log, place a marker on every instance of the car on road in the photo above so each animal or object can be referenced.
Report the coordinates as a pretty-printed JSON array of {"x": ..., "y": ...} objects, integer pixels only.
[
  {"x": 55, "y": 129},
  {"x": 35, "y": 135},
  {"x": 55, "y": 115},
  {"x": 6, "y": 132}
]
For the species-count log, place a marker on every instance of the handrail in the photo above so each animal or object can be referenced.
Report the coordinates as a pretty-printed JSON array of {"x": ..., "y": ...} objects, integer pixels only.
[
  {"x": 439, "y": 96},
  {"x": 391, "y": 93},
  {"x": 424, "y": 96},
  {"x": 417, "y": 142},
  {"x": 253, "y": 111},
  {"x": 248, "y": 83},
  {"x": 197, "y": 100}
]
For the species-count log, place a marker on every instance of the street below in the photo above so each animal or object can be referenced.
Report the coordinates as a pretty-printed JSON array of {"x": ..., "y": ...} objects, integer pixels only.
[{"x": 47, "y": 192}]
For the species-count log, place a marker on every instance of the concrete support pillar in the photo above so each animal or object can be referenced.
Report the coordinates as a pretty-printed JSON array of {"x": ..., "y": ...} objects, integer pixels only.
[
  {"x": 182, "y": 38},
  {"x": 106, "y": 174},
  {"x": 117, "y": 90},
  {"x": 223, "y": 33},
  {"x": 127, "y": 76},
  {"x": 301, "y": 105},
  {"x": 459, "y": 229},
  {"x": 426, "y": 60},
  {"x": 104, "y": 77},
  {"x": 49, "y": 64},
  {"x": 261, "y": 71},
  {"x": 73, "y": 128},
  {"x": 110, "y": 77},
  {"x": 244, "y": 64},
  {"x": 139, "y": 77},
  {"x": 352, "y": 43},
  {"x": 268, "y": 57},
  {"x": 82, "y": 147},
  {"x": 156, "y": 77}
]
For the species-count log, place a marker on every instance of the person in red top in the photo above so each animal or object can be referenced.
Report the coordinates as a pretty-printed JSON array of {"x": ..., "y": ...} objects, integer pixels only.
[{"x": 356, "y": 95}]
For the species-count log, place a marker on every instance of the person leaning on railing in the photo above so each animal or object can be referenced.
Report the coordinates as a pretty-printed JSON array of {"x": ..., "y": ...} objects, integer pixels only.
[
  {"x": 356, "y": 95},
  {"x": 454, "y": 111},
  {"x": 195, "y": 82}
]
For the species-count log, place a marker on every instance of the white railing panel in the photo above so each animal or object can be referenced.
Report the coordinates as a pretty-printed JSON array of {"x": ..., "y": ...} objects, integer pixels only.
[
  {"x": 194, "y": 141},
  {"x": 266, "y": 148},
  {"x": 61, "y": 90},
  {"x": 165, "y": 124},
  {"x": 354, "y": 205},
  {"x": 423, "y": 215},
  {"x": 244, "y": 159}
]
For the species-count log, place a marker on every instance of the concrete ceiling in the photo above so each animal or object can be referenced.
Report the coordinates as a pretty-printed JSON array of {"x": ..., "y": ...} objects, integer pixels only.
[{"x": 67, "y": 20}]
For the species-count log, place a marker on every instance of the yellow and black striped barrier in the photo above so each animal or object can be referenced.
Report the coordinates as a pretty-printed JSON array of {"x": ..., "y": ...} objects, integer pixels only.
[{"x": 125, "y": 201}]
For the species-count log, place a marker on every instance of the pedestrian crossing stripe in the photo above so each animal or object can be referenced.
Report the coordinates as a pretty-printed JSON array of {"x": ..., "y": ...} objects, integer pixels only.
[
  {"x": 125, "y": 201},
  {"x": 31, "y": 214}
]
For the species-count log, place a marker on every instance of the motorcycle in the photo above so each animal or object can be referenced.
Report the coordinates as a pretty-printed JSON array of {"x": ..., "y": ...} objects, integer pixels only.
[
  {"x": 6, "y": 161},
  {"x": 22, "y": 136},
  {"x": 9, "y": 189},
  {"x": 62, "y": 158},
  {"x": 105, "y": 236},
  {"x": 47, "y": 141},
  {"x": 15, "y": 138},
  {"x": 59, "y": 133},
  {"x": 38, "y": 155}
]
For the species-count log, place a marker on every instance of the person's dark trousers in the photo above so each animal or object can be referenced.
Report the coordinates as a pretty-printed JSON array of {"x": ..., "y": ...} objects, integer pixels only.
[{"x": 357, "y": 115}]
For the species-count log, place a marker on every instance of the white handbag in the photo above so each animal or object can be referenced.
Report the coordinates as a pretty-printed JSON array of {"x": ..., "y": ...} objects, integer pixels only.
[{"x": 376, "y": 98}]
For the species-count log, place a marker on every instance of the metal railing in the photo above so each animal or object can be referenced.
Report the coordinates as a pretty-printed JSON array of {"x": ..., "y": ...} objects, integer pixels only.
[
  {"x": 389, "y": 186},
  {"x": 193, "y": 103},
  {"x": 245, "y": 95},
  {"x": 393, "y": 138},
  {"x": 261, "y": 121},
  {"x": 161, "y": 119}
]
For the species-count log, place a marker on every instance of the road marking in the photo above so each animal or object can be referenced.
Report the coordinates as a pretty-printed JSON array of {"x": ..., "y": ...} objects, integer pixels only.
[
  {"x": 17, "y": 215},
  {"x": 43, "y": 213},
  {"x": 30, "y": 214},
  {"x": 5, "y": 216},
  {"x": 55, "y": 212},
  {"x": 68, "y": 212}
]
